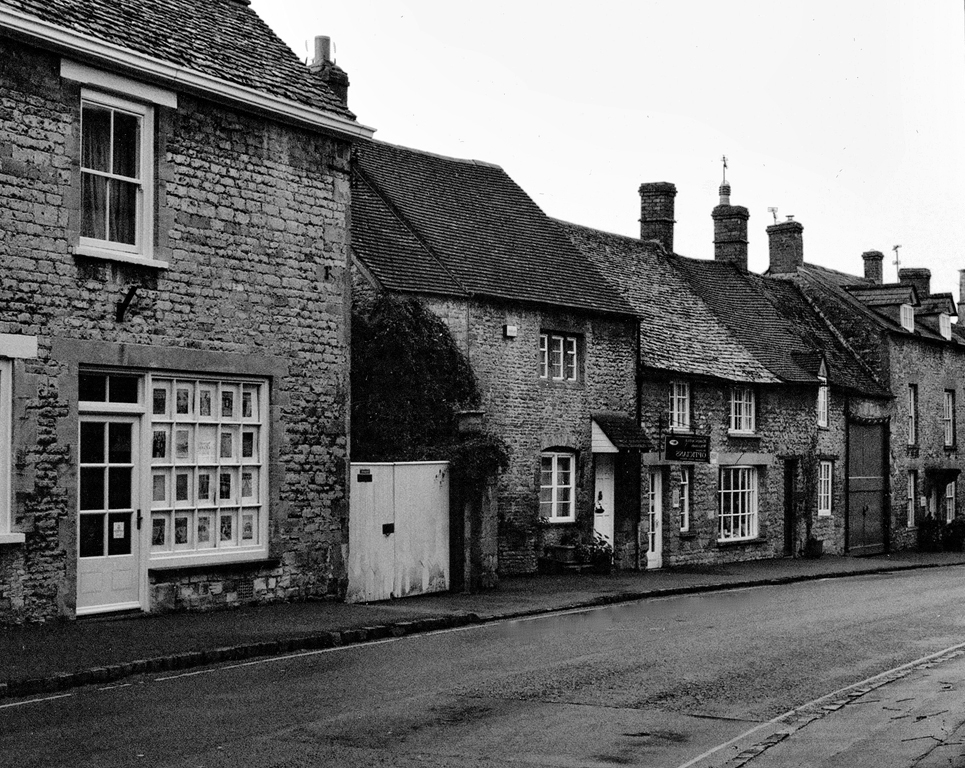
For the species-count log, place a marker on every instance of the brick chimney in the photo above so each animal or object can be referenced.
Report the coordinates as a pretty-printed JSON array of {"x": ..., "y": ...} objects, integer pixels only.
[
  {"x": 730, "y": 230},
  {"x": 919, "y": 277},
  {"x": 872, "y": 266},
  {"x": 786, "y": 243},
  {"x": 327, "y": 70},
  {"x": 656, "y": 213}
]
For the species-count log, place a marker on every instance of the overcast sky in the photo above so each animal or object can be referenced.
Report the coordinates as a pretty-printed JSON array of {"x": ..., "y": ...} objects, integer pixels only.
[{"x": 846, "y": 114}]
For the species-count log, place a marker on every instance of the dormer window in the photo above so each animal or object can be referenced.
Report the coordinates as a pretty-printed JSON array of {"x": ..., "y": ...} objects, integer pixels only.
[
  {"x": 823, "y": 397},
  {"x": 945, "y": 326},
  {"x": 908, "y": 318}
]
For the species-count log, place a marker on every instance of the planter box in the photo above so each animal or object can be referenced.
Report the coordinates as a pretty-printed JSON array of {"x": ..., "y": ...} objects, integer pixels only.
[{"x": 561, "y": 553}]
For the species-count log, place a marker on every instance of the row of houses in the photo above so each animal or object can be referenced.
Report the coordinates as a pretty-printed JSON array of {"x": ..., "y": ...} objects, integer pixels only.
[{"x": 187, "y": 211}]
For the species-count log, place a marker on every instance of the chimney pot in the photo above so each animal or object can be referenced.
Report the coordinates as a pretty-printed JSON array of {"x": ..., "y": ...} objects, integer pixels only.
[
  {"x": 323, "y": 49},
  {"x": 872, "y": 266},
  {"x": 657, "y": 213},
  {"x": 327, "y": 70},
  {"x": 919, "y": 277},
  {"x": 786, "y": 246},
  {"x": 730, "y": 230}
]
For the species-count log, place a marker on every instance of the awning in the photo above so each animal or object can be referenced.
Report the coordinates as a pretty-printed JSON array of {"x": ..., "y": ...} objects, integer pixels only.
[{"x": 613, "y": 433}]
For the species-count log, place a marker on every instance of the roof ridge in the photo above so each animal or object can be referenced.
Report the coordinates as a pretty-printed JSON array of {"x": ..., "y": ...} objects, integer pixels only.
[
  {"x": 405, "y": 223},
  {"x": 465, "y": 160}
]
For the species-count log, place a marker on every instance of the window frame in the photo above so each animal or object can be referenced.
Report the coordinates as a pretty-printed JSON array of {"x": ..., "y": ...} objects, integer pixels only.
[
  {"x": 951, "y": 500},
  {"x": 142, "y": 251},
  {"x": 554, "y": 487},
  {"x": 911, "y": 520},
  {"x": 824, "y": 403},
  {"x": 568, "y": 355},
  {"x": 825, "y": 488},
  {"x": 6, "y": 448},
  {"x": 906, "y": 315},
  {"x": 912, "y": 404},
  {"x": 686, "y": 491},
  {"x": 679, "y": 406},
  {"x": 945, "y": 326},
  {"x": 748, "y": 491},
  {"x": 743, "y": 411},
  {"x": 948, "y": 418}
]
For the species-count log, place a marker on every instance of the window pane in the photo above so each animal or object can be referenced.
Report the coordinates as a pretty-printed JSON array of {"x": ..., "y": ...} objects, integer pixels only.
[
  {"x": 91, "y": 443},
  {"x": 91, "y": 535},
  {"x": 91, "y": 488},
  {"x": 92, "y": 387},
  {"x": 123, "y": 389},
  {"x": 93, "y": 207},
  {"x": 96, "y": 138},
  {"x": 123, "y": 211},
  {"x": 119, "y": 488},
  {"x": 127, "y": 144},
  {"x": 119, "y": 444},
  {"x": 119, "y": 533}
]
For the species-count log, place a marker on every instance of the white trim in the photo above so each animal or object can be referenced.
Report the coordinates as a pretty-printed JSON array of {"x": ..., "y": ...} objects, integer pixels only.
[
  {"x": 93, "y": 252},
  {"x": 825, "y": 488},
  {"x": 554, "y": 504},
  {"x": 906, "y": 314},
  {"x": 157, "y": 69},
  {"x": 945, "y": 326},
  {"x": 109, "y": 608},
  {"x": 12, "y": 538},
  {"x": 81, "y": 73},
  {"x": 16, "y": 345},
  {"x": 599, "y": 441}
]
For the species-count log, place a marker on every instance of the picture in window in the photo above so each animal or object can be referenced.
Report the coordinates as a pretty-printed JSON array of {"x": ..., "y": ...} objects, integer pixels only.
[
  {"x": 226, "y": 528},
  {"x": 180, "y": 530},
  {"x": 160, "y": 488},
  {"x": 159, "y": 445},
  {"x": 225, "y": 486},
  {"x": 204, "y": 402},
  {"x": 246, "y": 409},
  {"x": 227, "y": 445},
  {"x": 181, "y": 487},
  {"x": 160, "y": 401},
  {"x": 247, "y": 527},
  {"x": 228, "y": 404},
  {"x": 204, "y": 528},
  {"x": 158, "y": 531},
  {"x": 182, "y": 444},
  {"x": 248, "y": 445},
  {"x": 184, "y": 401},
  {"x": 204, "y": 486}
]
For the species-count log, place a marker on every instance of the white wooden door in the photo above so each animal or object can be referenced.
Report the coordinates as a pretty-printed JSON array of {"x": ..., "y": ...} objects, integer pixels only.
[
  {"x": 603, "y": 495},
  {"x": 655, "y": 527},
  {"x": 108, "y": 539}
]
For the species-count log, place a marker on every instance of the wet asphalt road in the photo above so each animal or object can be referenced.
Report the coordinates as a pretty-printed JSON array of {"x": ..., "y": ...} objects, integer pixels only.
[{"x": 653, "y": 683}]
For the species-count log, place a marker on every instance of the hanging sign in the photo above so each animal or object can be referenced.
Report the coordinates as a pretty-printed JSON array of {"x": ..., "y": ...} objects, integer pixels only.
[{"x": 687, "y": 448}]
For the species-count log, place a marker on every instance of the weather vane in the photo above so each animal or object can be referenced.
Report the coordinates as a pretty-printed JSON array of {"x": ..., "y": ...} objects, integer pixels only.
[
  {"x": 724, "y": 160},
  {"x": 773, "y": 211},
  {"x": 897, "y": 260}
]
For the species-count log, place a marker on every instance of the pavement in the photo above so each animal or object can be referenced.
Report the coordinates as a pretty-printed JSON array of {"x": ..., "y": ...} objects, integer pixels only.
[{"x": 64, "y": 654}]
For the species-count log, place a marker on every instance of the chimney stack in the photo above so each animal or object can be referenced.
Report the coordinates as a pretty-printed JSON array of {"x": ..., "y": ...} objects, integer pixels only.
[
  {"x": 656, "y": 213},
  {"x": 329, "y": 72},
  {"x": 786, "y": 245},
  {"x": 919, "y": 277},
  {"x": 730, "y": 230},
  {"x": 872, "y": 266}
]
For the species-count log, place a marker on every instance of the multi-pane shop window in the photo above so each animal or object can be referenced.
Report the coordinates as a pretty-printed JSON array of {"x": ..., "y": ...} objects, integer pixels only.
[
  {"x": 557, "y": 491},
  {"x": 558, "y": 357},
  {"x": 737, "y": 518},
  {"x": 825, "y": 473},
  {"x": 679, "y": 410},
  {"x": 686, "y": 476},
  {"x": 948, "y": 417},
  {"x": 742, "y": 409},
  {"x": 912, "y": 414},
  {"x": 208, "y": 474},
  {"x": 912, "y": 498},
  {"x": 950, "y": 501},
  {"x": 116, "y": 177}
]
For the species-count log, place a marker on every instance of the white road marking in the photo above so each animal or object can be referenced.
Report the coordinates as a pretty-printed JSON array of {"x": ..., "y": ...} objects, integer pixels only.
[
  {"x": 832, "y": 695},
  {"x": 35, "y": 701}
]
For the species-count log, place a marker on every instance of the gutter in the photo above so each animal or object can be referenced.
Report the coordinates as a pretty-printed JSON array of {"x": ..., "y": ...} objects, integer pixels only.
[{"x": 148, "y": 68}]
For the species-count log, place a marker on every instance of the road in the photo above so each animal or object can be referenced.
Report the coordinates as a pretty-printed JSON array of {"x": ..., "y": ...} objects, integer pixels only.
[{"x": 651, "y": 683}]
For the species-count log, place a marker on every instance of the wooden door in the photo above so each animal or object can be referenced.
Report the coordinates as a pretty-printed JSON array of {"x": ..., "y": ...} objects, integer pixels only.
[
  {"x": 603, "y": 495},
  {"x": 867, "y": 471}
]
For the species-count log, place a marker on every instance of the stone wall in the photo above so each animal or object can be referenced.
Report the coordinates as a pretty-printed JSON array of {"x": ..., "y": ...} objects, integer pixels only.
[{"x": 251, "y": 217}]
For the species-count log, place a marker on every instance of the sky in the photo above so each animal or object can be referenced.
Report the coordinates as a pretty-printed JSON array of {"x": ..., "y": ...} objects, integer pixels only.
[{"x": 848, "y": 115}]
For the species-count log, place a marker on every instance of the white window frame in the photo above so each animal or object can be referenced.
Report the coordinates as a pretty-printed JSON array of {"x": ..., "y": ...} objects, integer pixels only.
[
  {"x": 553, "y": 509},
  {"x": 6, "y": 448},
  {"x": 738, "y": 496},
  {"x": 824, "y": 405},
  {"x": 679, "y": 406},
  {"x": 142, "y": 251},
  {"x": 950, "y": 494},
  {"x": 948, "y": 417},
  {"x": 558, "y": 357},
  {"x": 907, "y": 315},
  {"x": 912, "y": 414},
  {"x": 912, "y": 491},
  {"x": 176, "y": 558},
  {"x": 743, "y": 407},
  {"x": 686, "y": 485},
  {"x": 825, "y": 488},
  {"x": 945, "y": 326}
]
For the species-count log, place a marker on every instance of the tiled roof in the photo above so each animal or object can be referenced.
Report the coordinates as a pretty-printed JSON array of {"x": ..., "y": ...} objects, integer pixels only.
[
  {"x": 680, "y": 332},
  {"x": 623, "y": 431},
  {"x": 887, "y": 295},
  {"x": 222, "y": 38},
  {"x": 483, "y": 233},
  {"x": 936, "y": 304}
]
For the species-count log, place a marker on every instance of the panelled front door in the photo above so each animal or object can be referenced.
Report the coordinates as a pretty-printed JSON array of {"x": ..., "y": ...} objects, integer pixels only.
[
  {"x": 108, "y": 564},
  {"x": 655, "y": 535},
  {"x": 867, "y": 469},
  {"x": 603, "y": 495}
]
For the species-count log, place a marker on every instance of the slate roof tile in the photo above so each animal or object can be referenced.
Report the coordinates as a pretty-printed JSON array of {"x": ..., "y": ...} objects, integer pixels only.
[
  {"x": 482, "y": 229},
  {"x": 623, "y": 431},
  {"x": 225, "y": 39}
]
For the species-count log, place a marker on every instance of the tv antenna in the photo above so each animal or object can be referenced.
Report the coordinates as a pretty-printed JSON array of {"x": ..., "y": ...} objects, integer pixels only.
[
  {"x": 724, "y": 161},
  {"x": 897, "y": 261},
  {"x": 773, "y": 211}
]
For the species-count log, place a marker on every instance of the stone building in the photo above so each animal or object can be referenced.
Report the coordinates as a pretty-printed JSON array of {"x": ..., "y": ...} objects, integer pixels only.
[
  {"x": 744, "y": 389},
  {"x": 552, "y": 345},
  {"x": 903, "y": 332},
  {"x": 174, "y": 187}
]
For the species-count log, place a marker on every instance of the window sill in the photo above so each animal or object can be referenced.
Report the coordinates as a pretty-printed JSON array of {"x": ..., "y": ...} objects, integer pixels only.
[
  {"x": 106, "y": 254},
  {"x": 743, "y": 435},
  {"x": 688, "y": 535},
  {"x": 176, "y": 562},
  {"x": 12, "y": 538},
  {"x": 824, "y": 514},
  {"x": 951, "y": 448},
  {"x": 558, "y": 520},
  {"x": 740, "y": 542}
]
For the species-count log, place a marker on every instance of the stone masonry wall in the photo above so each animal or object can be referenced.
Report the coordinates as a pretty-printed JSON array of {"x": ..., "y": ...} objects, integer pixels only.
[
  {"x": 786, "y": 428},
  {"x": 251, "y": 217}
]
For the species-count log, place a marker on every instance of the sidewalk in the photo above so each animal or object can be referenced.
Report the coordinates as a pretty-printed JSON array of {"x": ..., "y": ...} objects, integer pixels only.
[{"x": 61, "y": 655}]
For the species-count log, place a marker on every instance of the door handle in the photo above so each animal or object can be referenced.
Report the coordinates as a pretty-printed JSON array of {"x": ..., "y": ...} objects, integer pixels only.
[{"x": 139, "y": 518}]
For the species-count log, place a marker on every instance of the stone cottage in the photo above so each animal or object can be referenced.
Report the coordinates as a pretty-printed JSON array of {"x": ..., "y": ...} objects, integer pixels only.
[
  {"x": 552, "y": 345},
  {"x": 173, "y": 310}
]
